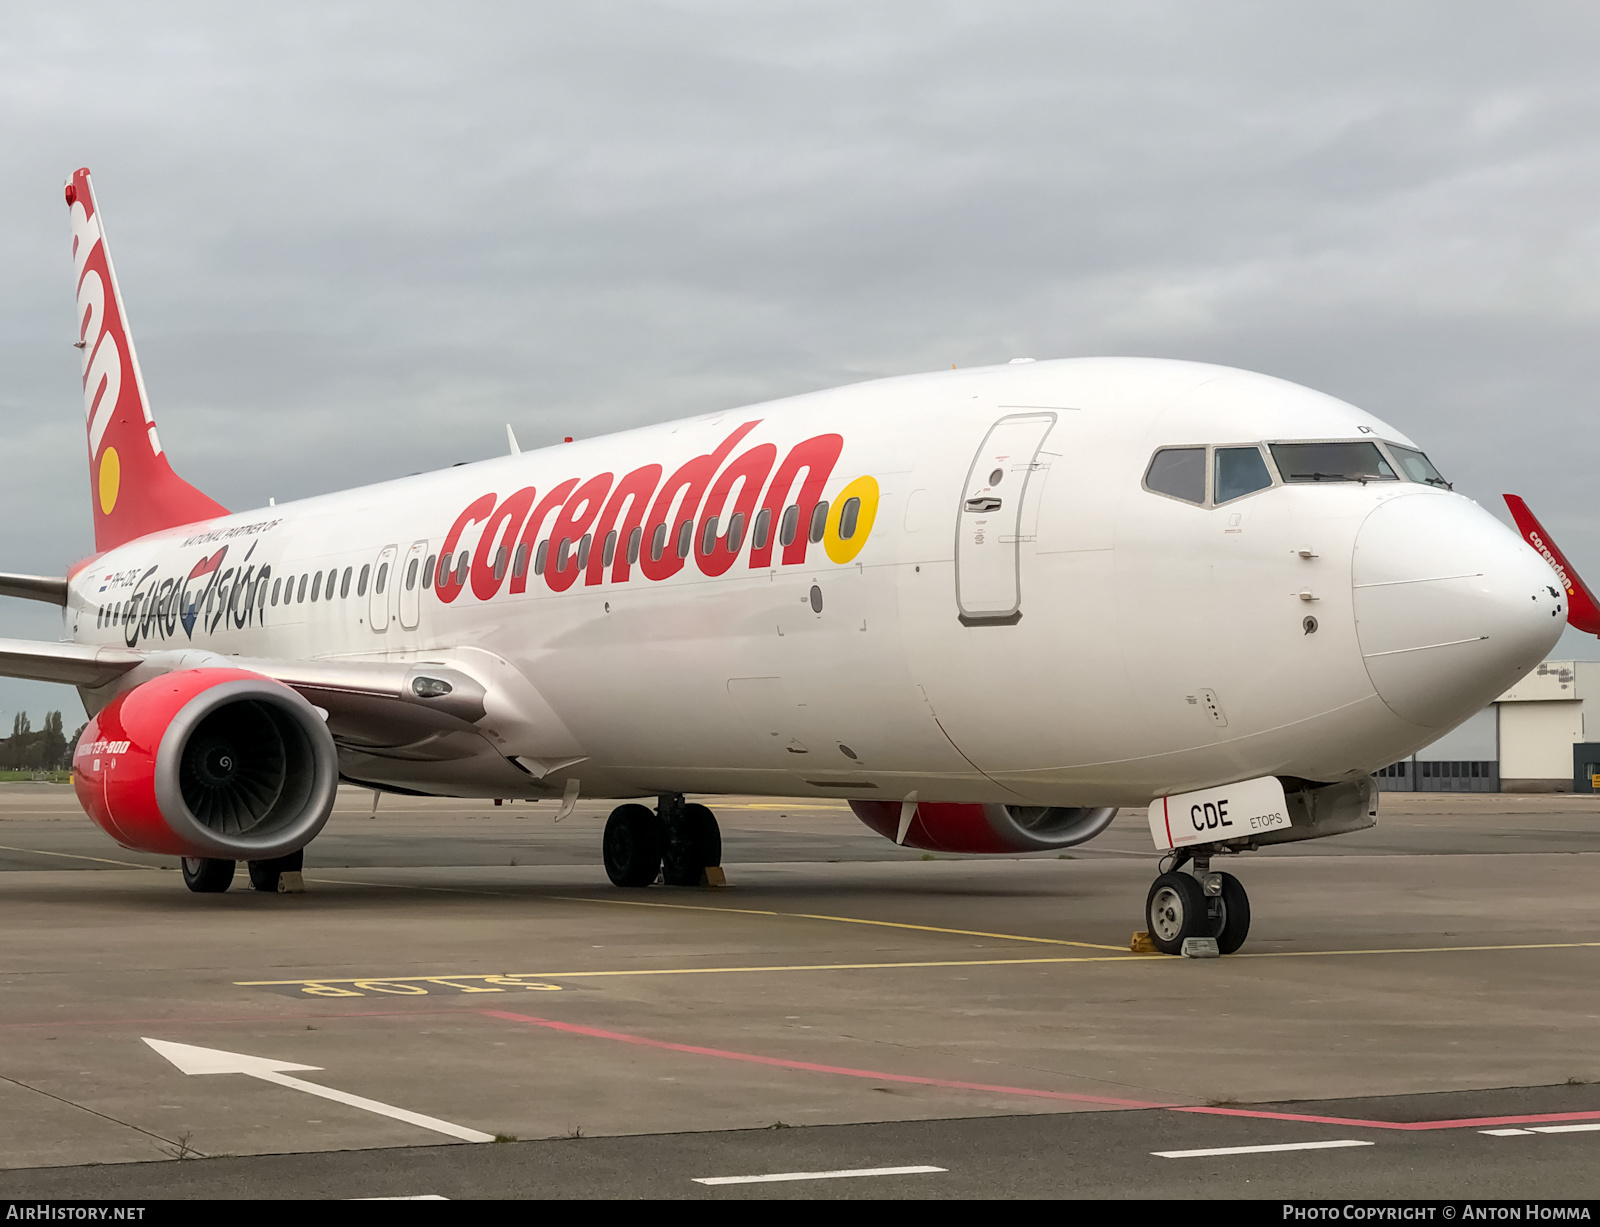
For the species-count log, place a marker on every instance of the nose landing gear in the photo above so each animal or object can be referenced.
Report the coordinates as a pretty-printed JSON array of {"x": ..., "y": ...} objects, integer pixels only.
[
  {"x": 1202, "y": 904},
  {"x": 678, "y": 842}
]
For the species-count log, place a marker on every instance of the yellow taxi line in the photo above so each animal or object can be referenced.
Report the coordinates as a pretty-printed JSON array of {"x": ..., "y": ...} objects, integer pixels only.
[
  {"x": 688, "y": 971},
  {"x": 76, "y": 856},
  {"x": 849, "y": 920},
  {"x": 514, "y": 979}
]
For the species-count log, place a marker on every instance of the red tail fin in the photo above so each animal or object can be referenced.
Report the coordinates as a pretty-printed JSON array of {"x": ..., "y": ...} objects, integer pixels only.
[
  {"x": 133, "y": 488},
  {"x": 1583, "y": 611}
]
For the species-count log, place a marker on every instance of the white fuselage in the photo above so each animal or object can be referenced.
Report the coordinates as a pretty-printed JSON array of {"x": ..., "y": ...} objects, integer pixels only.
[{"x": 1151, "y": 645}]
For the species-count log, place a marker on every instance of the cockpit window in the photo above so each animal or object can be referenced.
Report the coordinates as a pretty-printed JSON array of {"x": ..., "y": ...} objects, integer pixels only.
[
  {"x": 1416, "y": 466},
  {"x": 1179, "y": 472},
  {"x": 1324, "y": 462},
  {"x": 1240, "y": 471}
]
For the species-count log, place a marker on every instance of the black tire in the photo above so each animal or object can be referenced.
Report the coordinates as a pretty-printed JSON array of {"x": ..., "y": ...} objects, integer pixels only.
[
  {"x": 693, "y": 845},
  {"x": 1175, "y": 909},
  {"x": 1230, "y": 914},
  {"x": 632, "y": 846},
  {"x": 207, "y": 877},
  {"x": 264, "y": 875}
]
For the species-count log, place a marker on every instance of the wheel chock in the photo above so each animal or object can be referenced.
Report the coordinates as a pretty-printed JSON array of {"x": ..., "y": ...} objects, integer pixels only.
[
  {"x": 291, "y": 882},
  {"x": 1141, "y": 944},
  {"x": 712, "y": 875},
  {"x": 1201, "y": 948}
]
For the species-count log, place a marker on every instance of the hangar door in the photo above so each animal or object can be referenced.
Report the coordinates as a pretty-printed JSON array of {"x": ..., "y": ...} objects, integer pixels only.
[{"x": 988, "y": 559}]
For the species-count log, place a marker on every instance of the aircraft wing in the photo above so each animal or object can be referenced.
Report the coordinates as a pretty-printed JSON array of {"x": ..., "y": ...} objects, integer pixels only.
[
  {"x": 47, "y": 588},
  {"x": 76, "y": 664},
  {"x": 369, "y": 702},
  {"x": 1583, "y": 611}
]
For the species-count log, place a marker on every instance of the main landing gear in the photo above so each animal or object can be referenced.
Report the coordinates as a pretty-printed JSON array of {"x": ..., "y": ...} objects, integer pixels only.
[
  {"x": 676, "y": 842},
  {"x": 1199, "y": 904},
  {"x": 209, "y": 877}
]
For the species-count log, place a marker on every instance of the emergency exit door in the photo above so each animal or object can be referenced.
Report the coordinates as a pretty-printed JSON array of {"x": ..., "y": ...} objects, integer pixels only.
[
  {"x": 988, "y": 557},
  {"x": 382, "y": 583}
]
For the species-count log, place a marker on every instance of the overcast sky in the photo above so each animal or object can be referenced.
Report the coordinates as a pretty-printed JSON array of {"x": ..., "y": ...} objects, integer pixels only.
[{"x": 354, "y": 240}]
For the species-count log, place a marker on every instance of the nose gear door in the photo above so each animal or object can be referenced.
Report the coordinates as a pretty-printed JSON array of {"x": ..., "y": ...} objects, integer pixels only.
[{"x": 988, "y": 578}]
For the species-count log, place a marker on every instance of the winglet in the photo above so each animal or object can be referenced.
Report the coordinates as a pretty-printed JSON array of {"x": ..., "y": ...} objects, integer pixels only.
[{"x": 1583, "y": 611}]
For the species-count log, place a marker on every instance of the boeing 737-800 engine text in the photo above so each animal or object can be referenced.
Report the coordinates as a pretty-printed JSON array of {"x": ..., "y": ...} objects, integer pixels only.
[{"x": 985, "y": 607}]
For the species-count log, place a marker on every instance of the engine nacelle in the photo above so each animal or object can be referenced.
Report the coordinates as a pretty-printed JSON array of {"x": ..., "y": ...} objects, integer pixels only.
[
  {"x": 215, "y": 763},
  {"x": 949, "y": 827}
]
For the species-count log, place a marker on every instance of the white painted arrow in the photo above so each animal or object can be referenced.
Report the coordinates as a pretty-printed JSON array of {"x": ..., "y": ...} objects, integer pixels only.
[{"x": 194, "y": 1060}]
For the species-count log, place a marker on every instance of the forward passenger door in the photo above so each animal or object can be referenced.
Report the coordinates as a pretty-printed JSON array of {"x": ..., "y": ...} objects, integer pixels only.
[{"x": 988, "y": 522}]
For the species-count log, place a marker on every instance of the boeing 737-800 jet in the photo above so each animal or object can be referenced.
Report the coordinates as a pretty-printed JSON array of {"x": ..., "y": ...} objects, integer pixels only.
[{"x": 985, "y": 607}]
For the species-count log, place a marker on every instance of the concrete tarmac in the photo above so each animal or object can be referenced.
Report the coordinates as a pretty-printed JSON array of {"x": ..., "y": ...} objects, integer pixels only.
[{"x": 842, "y": 1004}]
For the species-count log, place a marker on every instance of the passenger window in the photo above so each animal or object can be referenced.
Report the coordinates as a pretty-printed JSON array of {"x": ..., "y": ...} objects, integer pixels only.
[
  {"x": 1328, "y": 462},
  {"x": 685, "y": 538},
  {"x": 427, "y": 574},
  {"x": 1239, "y": 471},
  {"x": 561, "y": 554},
  {"x": 789, "y": 525},
  {"x": 708, "y": 537},
  {"x": 758, "y": 540},
  {"x": 361, "y": 580},
  {"x": 519, "y": 561},
  {"x": 344, "y": 585},
  {"x": 583, "y": 550},
  {"x": 261, "y": 595},
  {"x": 463, "y": 561},
  {"x": 443, "y": 575},
  {"x": 276, "y": 584},
  {"x": 1417, "y": 467},
  {"x": 1179, "y": 472},
  {"x": 634, "y": 538},
  {"x": 316, "y": 584},
  {"x": 500, "y": 557},
  {"x": 736, "y": 532},
  {"x": 849, "y": 517},
  {"x": 301, "y": 595},
  {"x": 411, "y": 574},
  {"x": 382, "y": 579},
  {"x": 658, "y": 543},
  {"x": 609, "y": 552},
  {"x": 819, "y": 521},
  {"x": 540, "y": 556}
]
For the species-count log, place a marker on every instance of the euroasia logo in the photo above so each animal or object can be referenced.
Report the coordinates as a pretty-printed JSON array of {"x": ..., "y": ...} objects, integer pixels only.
[{"x": 707, "y": 510}]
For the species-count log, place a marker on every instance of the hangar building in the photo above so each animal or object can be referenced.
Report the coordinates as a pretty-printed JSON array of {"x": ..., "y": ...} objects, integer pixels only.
[{"x": 1533, "y": 738}]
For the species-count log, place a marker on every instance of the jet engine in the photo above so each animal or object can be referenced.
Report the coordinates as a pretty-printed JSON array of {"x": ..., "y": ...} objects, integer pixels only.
[
  {"x": 950, "y": 827},
  {"x": 212, "y": 763}
]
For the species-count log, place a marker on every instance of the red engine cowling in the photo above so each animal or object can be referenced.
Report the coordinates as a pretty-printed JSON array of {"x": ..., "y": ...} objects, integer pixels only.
[
  {"x": 949, "y": 827},
  {"x": 216, "y": 763}
]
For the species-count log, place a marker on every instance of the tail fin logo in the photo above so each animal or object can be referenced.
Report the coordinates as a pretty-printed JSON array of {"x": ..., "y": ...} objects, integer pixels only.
[
  {"x": 134, "y": 489},
  {"x": 105, "y": 365}
]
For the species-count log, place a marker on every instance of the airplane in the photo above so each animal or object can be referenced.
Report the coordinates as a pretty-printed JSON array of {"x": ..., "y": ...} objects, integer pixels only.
[
  {"x": 985, "y": 607},
  {"x": 1583, "y": 611}
]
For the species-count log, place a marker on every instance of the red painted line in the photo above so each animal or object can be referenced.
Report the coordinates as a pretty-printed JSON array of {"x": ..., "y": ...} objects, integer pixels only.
[
  {"x": 1166, "y": 818},
  {"x": 811, "y": 1066},
  {"x": 1469, "y": 1122}
]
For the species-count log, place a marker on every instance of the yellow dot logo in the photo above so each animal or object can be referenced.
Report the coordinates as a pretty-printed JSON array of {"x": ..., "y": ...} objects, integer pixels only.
[
  {"x": 850, "y": 519},
  {"x": 110, "y": 479}
]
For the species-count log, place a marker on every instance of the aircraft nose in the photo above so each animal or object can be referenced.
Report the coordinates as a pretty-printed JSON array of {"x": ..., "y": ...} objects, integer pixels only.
[{"x": 1451, "y": 606}]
